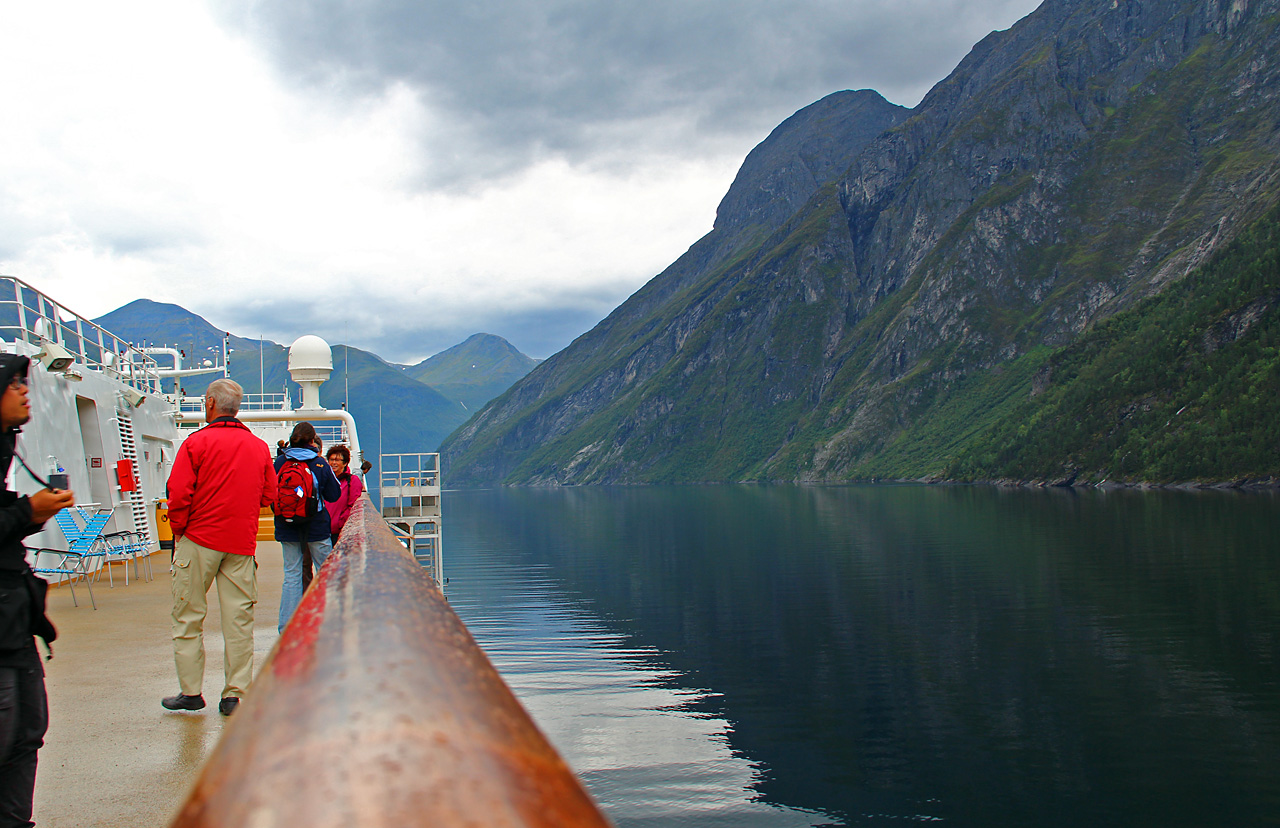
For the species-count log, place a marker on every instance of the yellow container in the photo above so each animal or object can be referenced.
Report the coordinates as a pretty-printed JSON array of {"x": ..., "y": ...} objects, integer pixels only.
[
  {"x": 163, "y": 529},
  {"x": 266, "y": 524}
]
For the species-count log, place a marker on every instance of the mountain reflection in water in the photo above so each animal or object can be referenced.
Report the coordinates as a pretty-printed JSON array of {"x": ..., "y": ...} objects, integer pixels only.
[{"x": 779, "y": 656}]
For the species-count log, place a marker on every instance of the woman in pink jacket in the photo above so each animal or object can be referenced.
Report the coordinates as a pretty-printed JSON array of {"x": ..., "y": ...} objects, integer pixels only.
[{"x": 339, "y": 459}]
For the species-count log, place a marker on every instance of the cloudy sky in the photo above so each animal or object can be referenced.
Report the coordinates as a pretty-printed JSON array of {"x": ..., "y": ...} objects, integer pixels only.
[{"x": 400, "y": 174}]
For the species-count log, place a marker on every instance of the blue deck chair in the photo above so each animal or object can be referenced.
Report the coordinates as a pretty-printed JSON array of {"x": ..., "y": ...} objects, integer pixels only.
[
  {"x": 86, "y": 540},
  {"x": 67, "y": 566}
]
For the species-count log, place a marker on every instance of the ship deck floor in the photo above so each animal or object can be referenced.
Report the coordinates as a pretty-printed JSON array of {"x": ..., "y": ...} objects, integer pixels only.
[{"x": 113, "y": 756}]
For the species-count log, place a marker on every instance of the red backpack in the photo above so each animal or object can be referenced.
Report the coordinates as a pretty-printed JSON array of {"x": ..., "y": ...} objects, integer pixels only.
[{"x": 295, "y": 493}]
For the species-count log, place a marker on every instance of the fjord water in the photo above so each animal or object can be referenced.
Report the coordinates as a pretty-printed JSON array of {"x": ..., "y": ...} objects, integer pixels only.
[{"x": 787, "y": 656}]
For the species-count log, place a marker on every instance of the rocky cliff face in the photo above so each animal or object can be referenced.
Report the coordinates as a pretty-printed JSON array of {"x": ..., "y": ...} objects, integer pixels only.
[{"x": 868, "y": 261}]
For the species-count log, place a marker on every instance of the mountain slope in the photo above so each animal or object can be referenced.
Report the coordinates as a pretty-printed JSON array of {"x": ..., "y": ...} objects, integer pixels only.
[
  {"x": 800, "y": 159},
  {"x": 1067, "y": 169},
  {"x": 394, "y": 412},
  {"x": 1184, "y": 387},
  {"x": 144, "y": 322},
  {"x": 475, "y": 371}
]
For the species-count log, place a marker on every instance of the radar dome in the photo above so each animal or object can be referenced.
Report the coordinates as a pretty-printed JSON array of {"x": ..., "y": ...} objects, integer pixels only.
[
  {"x": 310, "y": 353},
  {"x": 310, "y": 363}
]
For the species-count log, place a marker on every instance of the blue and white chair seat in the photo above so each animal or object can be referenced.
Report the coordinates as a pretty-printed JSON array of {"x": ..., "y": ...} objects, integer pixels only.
[{"x": 66, "y": 566}]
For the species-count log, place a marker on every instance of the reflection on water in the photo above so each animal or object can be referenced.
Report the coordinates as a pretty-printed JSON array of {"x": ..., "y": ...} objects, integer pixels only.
[
  {"x": 633, "y": 732},
  {"x": 867, "y": 655}
]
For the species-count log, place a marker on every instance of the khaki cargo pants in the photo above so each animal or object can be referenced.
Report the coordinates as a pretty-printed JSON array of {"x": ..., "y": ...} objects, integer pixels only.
[{"x": 194, "y": 570}]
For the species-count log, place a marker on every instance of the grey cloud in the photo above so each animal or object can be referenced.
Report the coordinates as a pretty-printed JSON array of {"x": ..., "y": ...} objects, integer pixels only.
[
  {"x": 593, "y": 81},
  {"x": 538, "y": 333},
  {"x": 535, "y": 333},
  {"x": 110, "y": 228},
  {"x": 142, "y": 240}
]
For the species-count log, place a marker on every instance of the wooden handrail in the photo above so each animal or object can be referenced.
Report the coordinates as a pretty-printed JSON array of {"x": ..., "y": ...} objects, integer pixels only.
[{"x": 377, "y": 708}]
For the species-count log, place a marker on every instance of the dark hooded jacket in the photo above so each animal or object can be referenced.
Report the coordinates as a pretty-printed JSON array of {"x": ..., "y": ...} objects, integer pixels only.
[
  {"x": 327, "y": 489},
  {"x": 21, "y": 592}
]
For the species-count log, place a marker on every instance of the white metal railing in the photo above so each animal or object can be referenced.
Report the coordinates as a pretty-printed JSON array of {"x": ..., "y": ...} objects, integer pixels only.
[
  {"x": 249, "y": 402},
  {"x": 409, "y": 471},
  {"x": 27, "y": 314},
  {"x": 265, "y": 402},
  {"x": 333, "y": 433},
  {"x": 330, "y": 432}
]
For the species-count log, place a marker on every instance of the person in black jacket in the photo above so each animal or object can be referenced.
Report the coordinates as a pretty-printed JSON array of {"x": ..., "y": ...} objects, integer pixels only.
[{"x": 24, "y": 710}]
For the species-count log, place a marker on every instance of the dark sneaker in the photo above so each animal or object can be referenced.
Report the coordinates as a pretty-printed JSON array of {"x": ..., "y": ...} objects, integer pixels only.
[
  {"x": 182, "y": 702},
  {"x": 228, "y": 705}
]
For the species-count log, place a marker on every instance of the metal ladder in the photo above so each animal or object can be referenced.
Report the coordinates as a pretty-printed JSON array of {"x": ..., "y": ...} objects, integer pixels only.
[{"x": 129, "y": 451}]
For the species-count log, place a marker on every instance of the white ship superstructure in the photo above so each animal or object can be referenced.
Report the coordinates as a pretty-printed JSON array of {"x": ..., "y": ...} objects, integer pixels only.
[
  {"x": 98, "y": 414},
  {"x": 101, "y": 415}
]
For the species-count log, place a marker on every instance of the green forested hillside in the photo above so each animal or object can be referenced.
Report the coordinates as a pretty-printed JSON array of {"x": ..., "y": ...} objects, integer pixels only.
[{"x": 1184, "y": 387}]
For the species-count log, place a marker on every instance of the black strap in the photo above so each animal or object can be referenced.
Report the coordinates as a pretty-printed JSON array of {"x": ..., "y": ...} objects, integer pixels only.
[{"x": 34, "y": 476}]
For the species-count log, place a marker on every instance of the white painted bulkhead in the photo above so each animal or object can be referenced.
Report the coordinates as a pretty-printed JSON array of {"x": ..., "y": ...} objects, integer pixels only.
[{"x": 78, "y": 425}]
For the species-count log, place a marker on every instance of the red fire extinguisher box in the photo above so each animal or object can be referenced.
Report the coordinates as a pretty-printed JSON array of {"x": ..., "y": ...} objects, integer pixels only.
[{"x": 124, "y": 471}]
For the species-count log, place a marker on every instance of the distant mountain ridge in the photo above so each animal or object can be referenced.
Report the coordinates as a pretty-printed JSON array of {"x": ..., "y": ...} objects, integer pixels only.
[
  {"x": 1070, "y": 168},
  {"x": 394, "y": 411},
  {"x": 474, "y": 371}
]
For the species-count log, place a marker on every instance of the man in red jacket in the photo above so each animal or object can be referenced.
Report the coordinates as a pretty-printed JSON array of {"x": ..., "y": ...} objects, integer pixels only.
[{"x": 221, "y": 479}]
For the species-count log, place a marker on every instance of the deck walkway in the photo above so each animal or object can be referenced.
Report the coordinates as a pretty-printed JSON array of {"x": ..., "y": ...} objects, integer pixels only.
[{"x": 113, "y": 756}]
